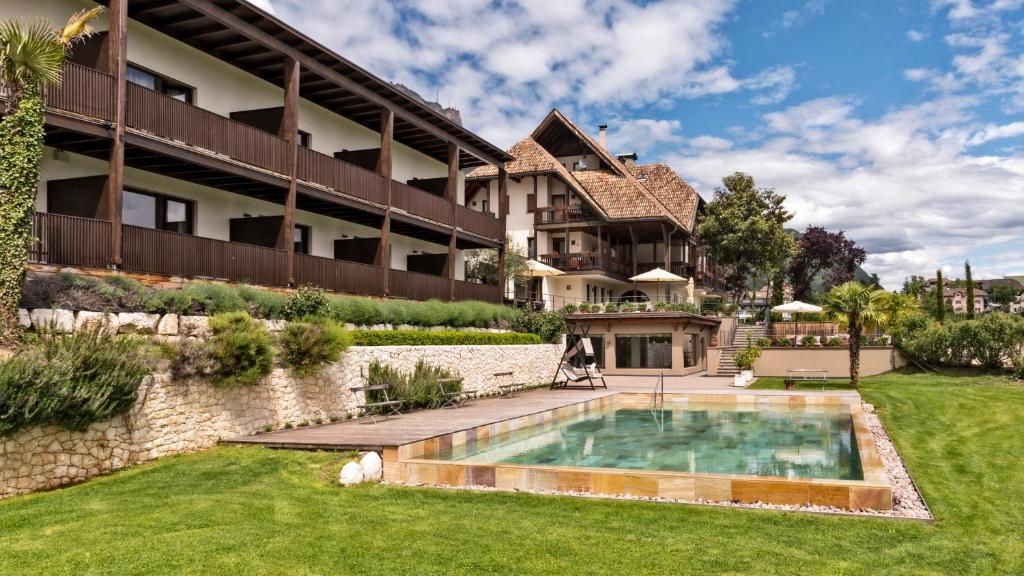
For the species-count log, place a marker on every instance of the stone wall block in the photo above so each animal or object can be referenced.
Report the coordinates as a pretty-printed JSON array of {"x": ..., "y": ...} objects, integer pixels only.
[
  {"x": 137, "y": 323},
  {"x": 168, "y": 325},
  {"x": 52, "y": 319},
  {"x": 85, "y": 320}
]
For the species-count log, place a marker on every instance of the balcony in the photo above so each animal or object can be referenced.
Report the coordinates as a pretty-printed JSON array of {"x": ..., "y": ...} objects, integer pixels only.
[
  {"x": 563, "y": 215},
  {"x": 587, "y": 262},
  {"x": 83, "y": 91},
  {"x": 72, "y": 241},
  {"x": 421, "y": 203},
  {"x": 339, "y": 175},
  {"x": 480, "y": 223}
]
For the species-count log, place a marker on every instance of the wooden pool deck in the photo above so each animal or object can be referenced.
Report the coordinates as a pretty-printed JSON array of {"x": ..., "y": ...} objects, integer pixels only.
[{"x": 424, "y": 424}]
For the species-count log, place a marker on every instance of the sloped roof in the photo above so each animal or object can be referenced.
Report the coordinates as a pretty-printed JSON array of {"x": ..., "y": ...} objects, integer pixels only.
[
  {"x": 669, "y": 188},
  {"x": 616, "y": 191}
]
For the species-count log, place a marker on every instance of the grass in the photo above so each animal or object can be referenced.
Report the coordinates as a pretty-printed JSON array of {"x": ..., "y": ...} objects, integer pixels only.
[{"x": 254, "y": 511}]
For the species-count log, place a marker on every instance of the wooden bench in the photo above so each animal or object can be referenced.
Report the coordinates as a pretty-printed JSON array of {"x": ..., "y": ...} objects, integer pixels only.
[
  {"x": 454, "y": 398},
  {"x": 794, "y": 375},
  {"x": 509, "y": 389},
  {"x": 389, "y": 406}
]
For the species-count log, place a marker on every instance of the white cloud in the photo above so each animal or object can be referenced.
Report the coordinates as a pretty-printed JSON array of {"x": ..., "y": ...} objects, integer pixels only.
[
  {"x": 708, "y": 142},
  {"x": 642, "y": 134},
  {"x": 993, "y": 132},
  {"x": 811, "y": 8},
  {"x": 904, "y": 185},
  {"x": 505, "y": 64},
  {"x": 917, "y": 35}
]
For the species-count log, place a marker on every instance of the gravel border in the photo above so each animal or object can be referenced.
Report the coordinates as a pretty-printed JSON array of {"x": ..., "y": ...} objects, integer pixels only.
[{"x": 908, "y": 504}]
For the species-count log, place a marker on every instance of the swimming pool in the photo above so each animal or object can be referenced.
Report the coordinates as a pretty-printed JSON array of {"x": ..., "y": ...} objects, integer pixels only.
[
  {"x": 779, "y": 449},
  {"x": 706, "y": 438}
]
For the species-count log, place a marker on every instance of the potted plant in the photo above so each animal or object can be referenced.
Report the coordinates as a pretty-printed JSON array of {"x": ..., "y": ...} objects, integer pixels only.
[{"x": 745, "y": 360}]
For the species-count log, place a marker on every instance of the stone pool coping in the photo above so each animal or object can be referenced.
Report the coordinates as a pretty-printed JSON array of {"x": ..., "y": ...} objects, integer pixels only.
[{"x": 409, "y": 463}]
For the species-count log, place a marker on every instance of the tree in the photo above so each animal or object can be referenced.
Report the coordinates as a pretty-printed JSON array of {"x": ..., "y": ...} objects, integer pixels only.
[
  {"x": 778, "y": 288},
  {"x": 482, "y": 265},
  {"x": 970, "y": 290},
  {"x": 876, "y": 281},
  {"x": 940, "y": 297},
  {"x": 743, "y": 229},
  {"x": 31, "y": 58},
  {"x": 914, "y": 286},
  {"x": 855, "y": 307},
  {"x": 1002, "y": 294},
  {"x": 829, "y": 255}
]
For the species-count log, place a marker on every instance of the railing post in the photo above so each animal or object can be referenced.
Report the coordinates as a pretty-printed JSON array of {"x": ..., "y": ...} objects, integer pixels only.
[
  {"x": 387, "y": 128},
  {"x": 451, "y": 192},
  {"x": 503, "y": 217},
  {"x": 289, "y": 131},
  {"x": 117, "y": 64}
]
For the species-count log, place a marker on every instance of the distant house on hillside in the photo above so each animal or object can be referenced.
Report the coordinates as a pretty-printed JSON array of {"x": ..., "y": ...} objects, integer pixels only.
[{"x": 956, "y": 299}]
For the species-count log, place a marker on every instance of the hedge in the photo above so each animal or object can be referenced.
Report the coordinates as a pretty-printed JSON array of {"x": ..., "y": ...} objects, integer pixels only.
[{"x": 447, "y": 338}]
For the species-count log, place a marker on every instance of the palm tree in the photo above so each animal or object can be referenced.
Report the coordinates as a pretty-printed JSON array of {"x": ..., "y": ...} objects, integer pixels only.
[
  {"x": 31, "y": 58},
  {"x": 855, "y": 307}
]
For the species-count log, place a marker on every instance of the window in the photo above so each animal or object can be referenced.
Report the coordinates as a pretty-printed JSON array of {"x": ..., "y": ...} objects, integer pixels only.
[
  {"x": 531, "y": 247},
  {"x": 643, "y": 351},
  {"x": 690, "y": 351},
  {"x": 162, "y": 84},
  {"x": 558, "y": 245},
  {"x": 305, "y": 139},
  {"x": 485, "y": 205},
  {"x": 149, "y": 210},
  {"x": 301, "y": 237},
  {"x": 558, "y": 200}
]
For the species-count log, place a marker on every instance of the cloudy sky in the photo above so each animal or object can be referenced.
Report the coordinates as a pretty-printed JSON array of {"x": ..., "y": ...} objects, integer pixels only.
[{"x": 897, "y": 121}]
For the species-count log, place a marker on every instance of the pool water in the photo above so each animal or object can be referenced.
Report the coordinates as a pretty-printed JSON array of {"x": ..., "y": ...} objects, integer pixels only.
[{"x": 709, "y": 438}]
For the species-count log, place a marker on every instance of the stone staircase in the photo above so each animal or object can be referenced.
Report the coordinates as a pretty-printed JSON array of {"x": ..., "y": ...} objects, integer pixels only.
[{"x": 726, "y": 364}]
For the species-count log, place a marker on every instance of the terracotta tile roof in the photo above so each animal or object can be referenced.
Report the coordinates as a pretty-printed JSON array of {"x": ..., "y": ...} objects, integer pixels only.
[
  {"x": 667, "y": 186},
  {"x": 616, "y": 192}
]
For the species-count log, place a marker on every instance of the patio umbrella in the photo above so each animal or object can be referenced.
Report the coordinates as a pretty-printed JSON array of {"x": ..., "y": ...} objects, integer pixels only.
[
  {"x": 797, "y": 307},
  {"x": 539, "y": 269},
  {"x": 658, "y": 275}
]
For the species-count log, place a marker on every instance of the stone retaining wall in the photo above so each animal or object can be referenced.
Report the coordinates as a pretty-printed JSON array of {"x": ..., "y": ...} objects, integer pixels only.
[{"x": 173, "y": 416}]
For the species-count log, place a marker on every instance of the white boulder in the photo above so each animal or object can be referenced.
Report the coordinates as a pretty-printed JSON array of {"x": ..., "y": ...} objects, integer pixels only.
[
  {"x": 194, "y": 326},
  {"x": 137, "y": 323},
  {"x": 273, "y": 325},
  {"x": 86, "y": 320},
  {"x": 168, "y": 325},
  {"x": 373, "y": 467},
  {"x": 44, "y": 319},
  {"x": 351, "y": 473},
  {"x": 24, "y": 320}
]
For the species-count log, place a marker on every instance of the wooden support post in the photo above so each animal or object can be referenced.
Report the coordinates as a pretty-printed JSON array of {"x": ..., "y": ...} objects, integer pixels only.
[
  {"x": 632, "y": 249},
  {"x": 387, "y": 129},
  {"x": 289, "y": 130},
  {"x": 668, "y": 247},
  {"x": 600, "y": 247},
  {"x": 451, "y": 192},
  {"x": 503, "y": 214},
  {"x": 117, "y": 65}
]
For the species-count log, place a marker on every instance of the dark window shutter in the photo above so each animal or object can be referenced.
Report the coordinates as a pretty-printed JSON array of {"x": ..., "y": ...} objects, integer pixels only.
[{"x": 531, "y": 202}]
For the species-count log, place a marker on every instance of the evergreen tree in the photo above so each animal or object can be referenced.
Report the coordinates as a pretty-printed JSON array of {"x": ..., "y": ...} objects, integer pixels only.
[
  {"x": 970, "y": 291},
  {"x": 940, "y": 300}
]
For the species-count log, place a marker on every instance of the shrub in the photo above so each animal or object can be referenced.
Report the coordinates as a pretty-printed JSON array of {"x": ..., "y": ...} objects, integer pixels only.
[
  {"x": 239, "y": 350},
  {"x": 188, "y": 359},
  {"x": 746, "y": 357},
  {"x": 71, "y": 380},
  {"x": 446, "y": 338},
  {"x": 835, "y": 341},
  {"x": 783, "y": 342},
  {"x": 809, "y": 341},
  {"x": 570, "y": 308},
  {"x": 359, "y": 311},
  {"x": 308, "y": 301},
  {"x": 1017, "y": 367},
  {"x": 611, "y": 307},
  {"x": 549, "y": 326},
  {"x": 764, "y": 342},
  {"x": 991, "y": 341},
  {"x": 417, "y": 390},
  {"x": 306, "y": 347}
]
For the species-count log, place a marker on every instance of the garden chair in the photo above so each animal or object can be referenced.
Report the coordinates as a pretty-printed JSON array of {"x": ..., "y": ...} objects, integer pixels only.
[
  {"x": 454, "y": 398},
  {"x": 509, "y": 389},
  {"x": 388, "y": 406}
]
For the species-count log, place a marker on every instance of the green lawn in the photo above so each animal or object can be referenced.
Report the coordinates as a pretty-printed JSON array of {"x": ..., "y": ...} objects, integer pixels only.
[{"x": 253, "y": 511}]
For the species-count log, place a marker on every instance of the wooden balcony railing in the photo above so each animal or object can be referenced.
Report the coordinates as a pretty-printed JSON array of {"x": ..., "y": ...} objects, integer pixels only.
[
  {"x": 340, "y": 175},
  {"x": 481, "y": 223},
  {"x": 162, "y": 252},
  {"x": 562, "y": 215},
  {"x": 678, "y": 268},
  {"x": 165, "y": 117},
  {"x": 420, "y": 203},
  {"x": 83, "y": 91},
  {"x": 416, "y": 286},
  {"x": 70, "y": 241},
  {"x": 792, "y": 329},
  {"x": 583, "y": 261},
  {"x": 473, "y": 291},
  {"x": 339, "y": 275}
]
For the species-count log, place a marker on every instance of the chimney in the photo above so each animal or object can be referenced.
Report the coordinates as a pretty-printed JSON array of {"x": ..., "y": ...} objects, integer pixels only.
[{"x": 602, "y": 136}]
